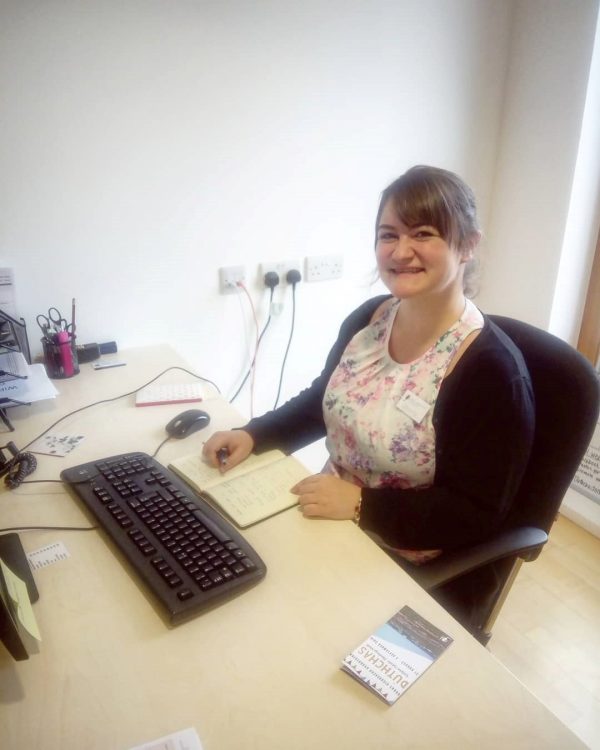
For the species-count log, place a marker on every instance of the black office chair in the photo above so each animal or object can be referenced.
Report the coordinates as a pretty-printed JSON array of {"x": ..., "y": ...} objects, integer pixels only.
[{"x": 567, "y": 398}]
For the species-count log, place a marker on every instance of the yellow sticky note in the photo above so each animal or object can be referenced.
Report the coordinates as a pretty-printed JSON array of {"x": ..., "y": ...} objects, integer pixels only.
[{"x": 17, "y": 590}]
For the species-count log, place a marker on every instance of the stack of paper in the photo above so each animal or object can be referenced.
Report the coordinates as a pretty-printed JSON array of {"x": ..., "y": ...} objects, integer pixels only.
[
  {"x": 32, "y": 385},
  {"x": 12, "y": 365}
]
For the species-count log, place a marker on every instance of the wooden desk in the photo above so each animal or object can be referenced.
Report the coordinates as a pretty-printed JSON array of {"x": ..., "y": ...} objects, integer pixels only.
[{"x": 261, "y": 671}]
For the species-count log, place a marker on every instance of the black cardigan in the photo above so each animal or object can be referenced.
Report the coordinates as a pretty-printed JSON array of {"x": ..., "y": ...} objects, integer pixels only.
[{"x": 484, "y": 422}]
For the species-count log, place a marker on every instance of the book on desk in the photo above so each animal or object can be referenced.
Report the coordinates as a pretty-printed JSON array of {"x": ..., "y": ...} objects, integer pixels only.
[
  {"x": 390, "y": 660},
  {"x": 256, "y": 489}
]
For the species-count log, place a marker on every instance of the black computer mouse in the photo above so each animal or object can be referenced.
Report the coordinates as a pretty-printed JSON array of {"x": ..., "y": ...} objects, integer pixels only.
[{"x": 186, "y": 423}]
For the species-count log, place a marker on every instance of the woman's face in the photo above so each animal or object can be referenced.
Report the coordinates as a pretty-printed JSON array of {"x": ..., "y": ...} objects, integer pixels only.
[{"x": 416, "y": 261}]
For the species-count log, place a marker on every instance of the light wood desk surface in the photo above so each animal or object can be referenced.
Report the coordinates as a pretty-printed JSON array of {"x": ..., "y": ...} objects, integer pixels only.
[{"x": 260, "y": 672}]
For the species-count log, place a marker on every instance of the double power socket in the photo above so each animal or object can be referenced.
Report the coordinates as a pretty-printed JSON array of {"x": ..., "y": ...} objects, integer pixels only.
[{"x": 316, "y": 268}]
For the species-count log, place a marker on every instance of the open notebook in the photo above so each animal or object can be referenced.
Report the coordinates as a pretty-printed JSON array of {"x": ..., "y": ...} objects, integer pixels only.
[{"x": 257, "y": 488}]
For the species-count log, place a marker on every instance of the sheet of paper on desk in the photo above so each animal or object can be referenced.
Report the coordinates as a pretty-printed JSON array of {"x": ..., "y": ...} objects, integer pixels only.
[
  {"x": 48, "y": 555},
  {"x": 36, "y": 387},
  {"x": 55, "y": 444},
  {"x": 186, "y": 739}
]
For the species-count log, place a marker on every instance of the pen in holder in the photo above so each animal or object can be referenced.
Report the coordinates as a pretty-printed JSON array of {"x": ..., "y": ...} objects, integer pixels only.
[{"x": 60, "y": 355}]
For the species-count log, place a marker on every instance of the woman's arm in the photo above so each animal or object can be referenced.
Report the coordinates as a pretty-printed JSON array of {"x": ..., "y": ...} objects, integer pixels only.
[{"x": 299, "y": 421}]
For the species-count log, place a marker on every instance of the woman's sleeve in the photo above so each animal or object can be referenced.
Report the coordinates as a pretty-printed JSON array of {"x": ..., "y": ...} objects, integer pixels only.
[
  {"x": 483, "y": 441},
  {"x": 293, "y": 425},
  {"x": 299, "y": 421}
]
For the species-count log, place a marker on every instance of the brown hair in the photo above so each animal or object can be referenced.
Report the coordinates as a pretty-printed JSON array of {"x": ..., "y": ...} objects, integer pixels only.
[{"x": 438, "y": 198}]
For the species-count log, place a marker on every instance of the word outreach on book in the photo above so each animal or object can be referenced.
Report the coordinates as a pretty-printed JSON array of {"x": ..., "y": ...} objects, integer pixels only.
[
  {"x": 257, "y": 488},
  {"x": 396, "y": 654}
]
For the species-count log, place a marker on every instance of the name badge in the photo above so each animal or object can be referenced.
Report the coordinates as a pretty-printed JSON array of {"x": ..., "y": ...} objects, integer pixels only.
[{"x": 413, "y": 406}]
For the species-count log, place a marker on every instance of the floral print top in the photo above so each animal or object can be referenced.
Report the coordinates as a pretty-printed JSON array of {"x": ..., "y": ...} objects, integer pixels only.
[{"x": 378, "y": 413}]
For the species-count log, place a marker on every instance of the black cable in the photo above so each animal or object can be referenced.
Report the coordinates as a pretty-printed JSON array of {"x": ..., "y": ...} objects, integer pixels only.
[
  {"x": 262, "y": 333},
  {"x": 16, "y": 467},
  {"x": 41, "y": 481},
  {"x": 49, "y": 528},
  {"x": 123, "y": 395},
  {"x": 21, "y": 466},
  {"x": 59, "y": 481},
  {"x": 293, "y": 277},
  {"x": 166, "y": 440}
]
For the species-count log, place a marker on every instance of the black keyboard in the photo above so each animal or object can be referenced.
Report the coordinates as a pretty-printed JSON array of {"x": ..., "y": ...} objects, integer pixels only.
[{"x": 188, "y": 556}]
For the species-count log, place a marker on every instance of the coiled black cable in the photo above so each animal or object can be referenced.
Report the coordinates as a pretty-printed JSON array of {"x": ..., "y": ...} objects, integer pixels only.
[{"x": 19, "y": 467}]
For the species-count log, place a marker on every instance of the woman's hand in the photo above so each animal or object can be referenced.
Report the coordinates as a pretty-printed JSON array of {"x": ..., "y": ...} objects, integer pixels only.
[
  {"x": 325, "y": 496},
  {"x": 224, "y": 450}
]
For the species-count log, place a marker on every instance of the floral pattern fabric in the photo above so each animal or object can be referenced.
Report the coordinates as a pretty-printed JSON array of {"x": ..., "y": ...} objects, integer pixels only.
[{"x": 374, "y": 437}]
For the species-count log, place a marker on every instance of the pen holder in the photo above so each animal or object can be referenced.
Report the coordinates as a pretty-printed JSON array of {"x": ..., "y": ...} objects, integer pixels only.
[{"x": 60, "y": 355}]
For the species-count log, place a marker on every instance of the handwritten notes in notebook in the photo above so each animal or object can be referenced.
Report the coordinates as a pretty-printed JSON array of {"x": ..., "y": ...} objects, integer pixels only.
[{"x": 252, "y": 491}]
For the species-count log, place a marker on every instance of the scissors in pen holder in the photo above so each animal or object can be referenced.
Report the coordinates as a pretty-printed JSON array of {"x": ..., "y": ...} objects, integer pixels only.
[
  {"x": 53, "y": 323},
  {"x": 58, "y": 342}
]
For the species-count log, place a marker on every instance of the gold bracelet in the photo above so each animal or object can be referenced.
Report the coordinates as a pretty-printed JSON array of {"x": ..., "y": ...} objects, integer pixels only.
[{"x": 356, "y": 518}]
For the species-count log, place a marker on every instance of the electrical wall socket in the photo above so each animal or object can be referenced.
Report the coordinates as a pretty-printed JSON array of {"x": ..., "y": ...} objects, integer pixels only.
[
  {"x": 323, "y": 267},
  {"x": 230, "y": 277},
  {"x": 281, "y": 267}
]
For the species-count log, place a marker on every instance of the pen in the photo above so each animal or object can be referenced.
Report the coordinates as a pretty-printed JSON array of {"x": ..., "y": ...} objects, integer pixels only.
[
  {"x": 73, "y": 318},
  {"x": 222, "y": 455},
  {"x": 107, "y": 365}
]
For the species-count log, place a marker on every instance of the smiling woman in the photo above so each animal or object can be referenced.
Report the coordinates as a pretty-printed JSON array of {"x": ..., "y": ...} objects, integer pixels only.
[
  {"x": 425, "y": 404},
  {"x": 434, "y": 201},
  {"x": 426, "y": 237}
]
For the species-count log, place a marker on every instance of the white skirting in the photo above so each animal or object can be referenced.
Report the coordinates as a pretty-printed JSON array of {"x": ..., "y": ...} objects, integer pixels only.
[{"x": 582, "y": 511}]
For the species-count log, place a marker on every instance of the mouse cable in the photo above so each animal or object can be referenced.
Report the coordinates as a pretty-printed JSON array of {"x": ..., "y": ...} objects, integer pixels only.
[
  {"x": 49, "y": 528},
  {"x": 166, "y": 440},
  {"x": 262, "y": 333},
  {"x": 293, "y": 278},
  {"x": 116, "y": 398}
]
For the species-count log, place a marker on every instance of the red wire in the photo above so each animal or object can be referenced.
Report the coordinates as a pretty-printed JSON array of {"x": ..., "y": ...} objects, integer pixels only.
[{"x": 253, "y": 365}]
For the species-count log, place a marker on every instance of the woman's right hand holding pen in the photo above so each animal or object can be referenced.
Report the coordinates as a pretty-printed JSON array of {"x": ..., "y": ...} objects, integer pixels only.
[{"x": 224, "y": 450}]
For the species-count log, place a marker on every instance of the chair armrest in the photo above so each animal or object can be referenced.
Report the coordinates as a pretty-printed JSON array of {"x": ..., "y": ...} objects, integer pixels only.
[{"x": 525, "y": 542}]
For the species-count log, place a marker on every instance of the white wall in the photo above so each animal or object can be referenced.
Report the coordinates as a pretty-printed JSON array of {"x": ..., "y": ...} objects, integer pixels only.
[
  {"x": 583, "y": 219},
  {"x": 145, "y": 143},
  {"x": 546, "y": 199},
  {"x": 550, "y": 58}
]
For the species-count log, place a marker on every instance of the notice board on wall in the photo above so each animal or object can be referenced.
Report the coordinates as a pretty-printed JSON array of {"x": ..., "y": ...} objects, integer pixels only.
[{"x": 587, "y": 478}]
